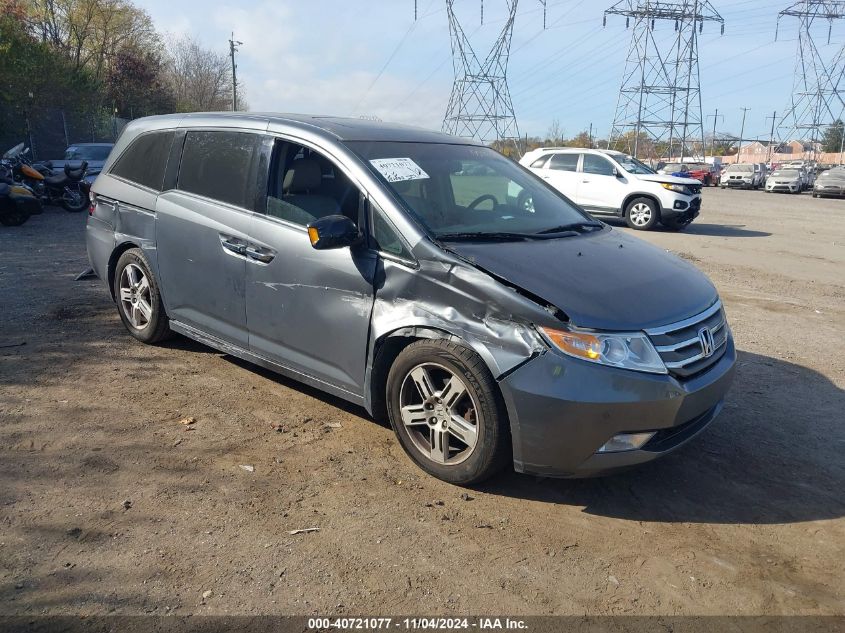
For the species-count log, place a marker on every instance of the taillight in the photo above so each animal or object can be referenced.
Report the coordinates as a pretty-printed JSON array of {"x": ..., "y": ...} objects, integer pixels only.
[{"x": 93, "y": 206}]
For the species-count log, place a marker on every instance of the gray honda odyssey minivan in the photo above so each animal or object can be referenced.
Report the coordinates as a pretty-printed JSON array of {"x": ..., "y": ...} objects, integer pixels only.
[{"x": 424, "y": 277}]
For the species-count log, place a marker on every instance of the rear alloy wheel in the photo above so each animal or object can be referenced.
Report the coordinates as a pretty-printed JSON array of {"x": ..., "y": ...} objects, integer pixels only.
[
  {"x": 447, "y": 413},
  {"x": 642, "y": 214},
  {"x": 138, "y": 300}
]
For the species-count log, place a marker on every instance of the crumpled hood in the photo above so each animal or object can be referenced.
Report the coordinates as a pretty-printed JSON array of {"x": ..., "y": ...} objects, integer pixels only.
[
  {"x": 604, "y": 280},
  {"x": 676, "y": 180}
]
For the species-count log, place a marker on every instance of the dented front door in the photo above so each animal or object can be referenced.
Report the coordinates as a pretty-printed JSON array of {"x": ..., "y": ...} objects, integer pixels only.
[{"x": 309, "y": 310}]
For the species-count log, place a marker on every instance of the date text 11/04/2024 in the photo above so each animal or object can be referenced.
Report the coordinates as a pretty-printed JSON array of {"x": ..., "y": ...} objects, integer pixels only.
[{"x": 431, "y": 624}]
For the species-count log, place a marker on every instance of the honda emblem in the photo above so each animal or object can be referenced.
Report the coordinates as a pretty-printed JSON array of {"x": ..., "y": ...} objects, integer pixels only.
[{"x": 705, "y": 337}]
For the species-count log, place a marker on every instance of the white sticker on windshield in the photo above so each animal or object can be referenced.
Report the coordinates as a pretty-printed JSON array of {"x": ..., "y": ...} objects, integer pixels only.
[{"x": 398, "y": 169}]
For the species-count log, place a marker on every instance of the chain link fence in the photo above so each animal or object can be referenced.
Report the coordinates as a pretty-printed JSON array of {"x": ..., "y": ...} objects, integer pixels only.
[{"x": 49, "y": 131}]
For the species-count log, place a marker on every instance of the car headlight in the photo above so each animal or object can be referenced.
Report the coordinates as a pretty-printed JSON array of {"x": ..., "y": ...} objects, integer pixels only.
[
  {"x": 676, "y": 188},
  {"x": 630, "y": 350}
]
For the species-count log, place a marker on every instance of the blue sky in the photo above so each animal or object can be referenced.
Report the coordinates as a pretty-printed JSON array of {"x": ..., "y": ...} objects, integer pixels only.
[{"x": 369, "y": 57}]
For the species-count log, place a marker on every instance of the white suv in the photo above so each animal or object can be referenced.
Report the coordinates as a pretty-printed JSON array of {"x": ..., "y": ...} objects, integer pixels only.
[{"x": 613, "y": 183}]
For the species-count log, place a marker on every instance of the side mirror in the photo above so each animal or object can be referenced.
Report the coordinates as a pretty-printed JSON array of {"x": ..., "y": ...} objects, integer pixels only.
[
  {"x": 617, "y": 173},
  {"x": 333, "y": 231}
]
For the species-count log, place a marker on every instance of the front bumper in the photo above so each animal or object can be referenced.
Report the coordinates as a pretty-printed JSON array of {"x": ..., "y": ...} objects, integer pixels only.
[
  {"x": 829, "y": 190},
  {"x": 691, "y": 210},
  {"x": 562, "y": 410},
  {"x": 787, "y": 188},
  {"x": 738, "y": 184}
]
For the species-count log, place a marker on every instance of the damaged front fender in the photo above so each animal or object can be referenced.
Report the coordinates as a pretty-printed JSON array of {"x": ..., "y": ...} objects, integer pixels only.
[{"x": 448, "y": 298}]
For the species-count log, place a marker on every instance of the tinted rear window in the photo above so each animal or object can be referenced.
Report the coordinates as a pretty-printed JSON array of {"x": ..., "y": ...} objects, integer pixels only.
[
  {"x": 145, "y": 160},
  {"x": 220, "y": 165},
  {"x": 564, "y": 162}
]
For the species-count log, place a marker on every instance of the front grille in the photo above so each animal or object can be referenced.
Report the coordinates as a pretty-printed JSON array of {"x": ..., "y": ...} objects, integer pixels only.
[
  {"x": 679, "y": 344},
  {"x": 694, "y": 188}
]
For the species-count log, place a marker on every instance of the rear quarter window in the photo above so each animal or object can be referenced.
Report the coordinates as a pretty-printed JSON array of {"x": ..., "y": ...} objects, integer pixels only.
[{"x": 145, "y": 160}]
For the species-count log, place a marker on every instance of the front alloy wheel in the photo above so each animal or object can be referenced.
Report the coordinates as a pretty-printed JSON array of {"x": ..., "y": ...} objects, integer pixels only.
[
  {"x": 447, "y": 411},
  {"x": 641, "y": 214},
  {"x": 439, "y": 414}
]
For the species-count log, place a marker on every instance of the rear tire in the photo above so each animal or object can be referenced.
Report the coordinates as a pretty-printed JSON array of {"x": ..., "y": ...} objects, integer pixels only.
[
  {"x": 642, "y": 214},
  {"x": 15, "y": 218},
  {"x": 138, "y": 298},
  {"x": 75, "y": 201},
  {"x": 447, "y": 412}
]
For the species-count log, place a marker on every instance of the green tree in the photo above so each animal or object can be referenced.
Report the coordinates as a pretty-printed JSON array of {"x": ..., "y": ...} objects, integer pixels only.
[
  {"x": 136, "y": 86},
  {"x": 832, "y": 139}
]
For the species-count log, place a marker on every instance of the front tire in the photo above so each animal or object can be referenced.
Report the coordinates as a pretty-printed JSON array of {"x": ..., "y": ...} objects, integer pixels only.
[
  {"x": 138, "y": 298},
  {"x": 447, "y": 412},
  {"x": 642, "y": 214}
]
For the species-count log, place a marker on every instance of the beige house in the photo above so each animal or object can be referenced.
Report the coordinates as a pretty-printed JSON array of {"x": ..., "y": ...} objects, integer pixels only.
[{"x": 763, "y": 151}]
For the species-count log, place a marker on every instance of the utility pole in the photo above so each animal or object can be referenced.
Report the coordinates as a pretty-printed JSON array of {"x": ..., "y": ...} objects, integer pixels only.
[
  {"x": 741, "y": 133},
  {"x": 233, "y": 48},
  {"x": 770, "y": 153},
  {"x": 841, "y": 142},
  {"x": 713, "y": 143},
  {"x": 591, "y": 136}
]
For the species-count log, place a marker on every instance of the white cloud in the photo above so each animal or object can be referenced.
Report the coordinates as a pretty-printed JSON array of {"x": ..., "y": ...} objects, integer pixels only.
[{"x": 285, "y": 66}]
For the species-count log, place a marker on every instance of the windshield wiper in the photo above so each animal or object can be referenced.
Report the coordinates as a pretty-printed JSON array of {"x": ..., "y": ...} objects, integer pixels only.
[
  {"x": 482, "y": 236},
  {"x": 575, "y": 226}
]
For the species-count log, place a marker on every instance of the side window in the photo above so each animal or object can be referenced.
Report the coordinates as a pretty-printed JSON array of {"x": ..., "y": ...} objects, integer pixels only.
[
  {"x": 385, "y": 236},
  {"x": 145, "y": 160},
  {"x": 564, "y": 162},
  {"x": 597, "y": 165},
  {"x": 304, "y": 186},
  {"x": 221, "y": 166},
  {"x": 538, "y": 164}
]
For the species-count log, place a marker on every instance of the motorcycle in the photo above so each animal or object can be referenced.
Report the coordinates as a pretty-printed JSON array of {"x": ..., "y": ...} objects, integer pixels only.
[
  {"x": 67, "y": 188},
  {"x": 17, "y": 203}
]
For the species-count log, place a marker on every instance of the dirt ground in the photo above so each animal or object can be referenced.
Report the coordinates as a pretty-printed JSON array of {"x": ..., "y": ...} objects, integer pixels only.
[{"x": 108, "y": 504}]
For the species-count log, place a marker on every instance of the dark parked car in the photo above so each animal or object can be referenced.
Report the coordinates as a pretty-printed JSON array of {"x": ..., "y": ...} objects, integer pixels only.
[
  {"x": 94, "y": 154},
  {"x": 424, "y": 277},
  {"x": 830, "y": 183}
]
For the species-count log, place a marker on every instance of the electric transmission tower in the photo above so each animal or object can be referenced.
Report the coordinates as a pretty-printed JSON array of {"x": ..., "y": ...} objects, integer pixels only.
[
  {"x": 480, "y": 104},
  {"x": 817, "y": 100},
  {"x": 660, "y": 99}
]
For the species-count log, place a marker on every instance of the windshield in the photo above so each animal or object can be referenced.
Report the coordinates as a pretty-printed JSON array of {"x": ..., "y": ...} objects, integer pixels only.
[
  {"x": 87, "y": 152},
  {"x": 461, "y": 189},
  {"x": 785, "y": 173},
  {"x": 741, "y": 167},
  {"x": 631, "y": 164},
  {"x": 11, "y": 153}
]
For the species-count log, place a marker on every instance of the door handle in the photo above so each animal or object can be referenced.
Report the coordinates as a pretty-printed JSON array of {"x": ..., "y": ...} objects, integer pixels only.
[
  {"x": 233, "y": 245},
  {"x": 265, "y": 257}
]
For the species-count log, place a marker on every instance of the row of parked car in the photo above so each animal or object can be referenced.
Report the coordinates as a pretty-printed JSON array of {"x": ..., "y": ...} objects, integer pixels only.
[{"x": 793, "y": 177}]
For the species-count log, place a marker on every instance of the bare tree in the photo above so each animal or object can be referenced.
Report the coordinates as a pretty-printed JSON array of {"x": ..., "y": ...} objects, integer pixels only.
[
  {"x": 200, "y": 78},
  {"x": 554, "y": 136}
]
